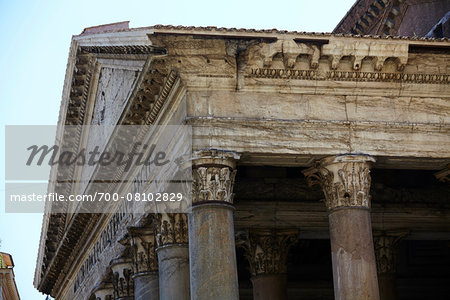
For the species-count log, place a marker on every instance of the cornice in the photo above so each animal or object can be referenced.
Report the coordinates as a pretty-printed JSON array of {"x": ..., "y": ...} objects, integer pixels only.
[
  {"x": 159, "y": 80},
  {"x": 57, "y": 254},
  {"x": 238, "y": 64},
  {"x": 270, "y": 33},
  {"x": 123, "y": 49}
]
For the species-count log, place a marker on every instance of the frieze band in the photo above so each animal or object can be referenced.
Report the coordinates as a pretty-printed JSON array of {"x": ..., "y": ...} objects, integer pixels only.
[{"x": 348, "y": 76}]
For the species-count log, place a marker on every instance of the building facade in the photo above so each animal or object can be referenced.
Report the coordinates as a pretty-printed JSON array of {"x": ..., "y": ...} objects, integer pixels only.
[
  {"x": 8, "y": 287},
  {"x": 320, "y": 163}
]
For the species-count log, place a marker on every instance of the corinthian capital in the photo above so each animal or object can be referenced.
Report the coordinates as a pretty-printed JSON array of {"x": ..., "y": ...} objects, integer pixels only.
[
  {"x": 171, "y": 228},
  {"x": 345, "y": 180},
  {"x": 213, "y": 174},
  {"x": 122, "y": 278},
  {"x": 143, "y": 245},
  {"x": 267, "y": 250},
  {"x": 386, "y": 251}
]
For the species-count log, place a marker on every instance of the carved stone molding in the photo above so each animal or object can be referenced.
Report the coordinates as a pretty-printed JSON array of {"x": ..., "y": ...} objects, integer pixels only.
[
  {"x": 124, "y": 49},
  {"x": 358, "y": 51},
  {"x": 263, "y": 55},
  {"x": 359, "y": 76},
  {"x": 104, "y": 291},
  {"x": 171, "y": 228},
  {"x": 143, "y": 244},
  {"x": 122, "y": 278},
  {"x": 289, "y": 52},
  {"x": 213, "y": 174},
  {"x": 145, "y": 104},
  {"x": 386, "y": 251},
  {"x": 443, "y": 175},
  {"x": 267, "y": 250},
  {"x": 345, "y": 180}
]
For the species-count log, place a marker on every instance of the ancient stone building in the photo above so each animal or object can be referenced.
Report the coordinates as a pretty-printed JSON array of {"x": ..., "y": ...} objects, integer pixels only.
[
  {"x": 8, "y": 287},
  {"x": 320, "y": 162}
]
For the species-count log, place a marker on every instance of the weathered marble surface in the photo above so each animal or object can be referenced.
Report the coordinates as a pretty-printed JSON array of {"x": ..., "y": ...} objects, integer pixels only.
[
  {"x": 146, "y": 286},
  {"x": 276, "y": 98},
  {"x": 354, "y": 267},
  {"x": 174, "y": 281},
  {"x": 212, "y": 253}
]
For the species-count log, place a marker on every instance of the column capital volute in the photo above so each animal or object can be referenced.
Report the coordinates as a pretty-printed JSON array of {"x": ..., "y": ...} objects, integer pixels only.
[
  {"x": 266, "y": 249},
  {"x": 345, "y": 179},
  {"x": 143, "y": 244}
]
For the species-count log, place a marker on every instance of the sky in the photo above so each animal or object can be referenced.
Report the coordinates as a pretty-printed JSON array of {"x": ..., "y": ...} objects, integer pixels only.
[{"x": 34, "y": 45}]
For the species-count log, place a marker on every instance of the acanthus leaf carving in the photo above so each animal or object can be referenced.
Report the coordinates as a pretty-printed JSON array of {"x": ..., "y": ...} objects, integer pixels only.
[
  {"x": 386, "y": 245},
  {"x": 143, "y": 244},
  {"x": 213, "y": 184},
  {"x": 345, "y": 180},
  {"x": 171, "y": 228},
  {"x": 267, "y": 250}
]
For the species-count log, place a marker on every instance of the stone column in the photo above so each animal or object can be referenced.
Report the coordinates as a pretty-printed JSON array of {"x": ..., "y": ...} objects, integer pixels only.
[
  {"x": 212, "y": 253},
  {"x": 104, "y": 291},
  {"x": 266, "y": 251},
  {"x": 386, "y": 255},
  {"x": 145, "y": 263},
  {"x": 345, "y": 180},
  {"x": 173, "y": 256},
  {"x": 122, "y": 279}
]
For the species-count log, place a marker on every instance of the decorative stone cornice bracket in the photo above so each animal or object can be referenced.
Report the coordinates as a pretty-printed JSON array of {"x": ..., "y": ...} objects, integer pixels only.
[
  {"x": 267, "y": 250},
  {"x": 262, "y": 55},
  {"x": 345, "y": 180},
  {"x": 379, "y": 51}
]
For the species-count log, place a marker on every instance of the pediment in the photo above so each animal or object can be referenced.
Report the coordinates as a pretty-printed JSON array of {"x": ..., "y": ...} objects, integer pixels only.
[{"x": 113, "y": 90}]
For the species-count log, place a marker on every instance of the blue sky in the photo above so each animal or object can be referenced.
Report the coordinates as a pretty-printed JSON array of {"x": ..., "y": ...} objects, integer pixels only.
[{"x": 34, "y": 45}]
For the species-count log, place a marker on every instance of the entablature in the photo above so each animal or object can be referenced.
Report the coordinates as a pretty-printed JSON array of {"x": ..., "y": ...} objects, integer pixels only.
[{"x": 171, "y": 61}]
